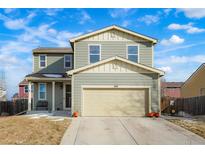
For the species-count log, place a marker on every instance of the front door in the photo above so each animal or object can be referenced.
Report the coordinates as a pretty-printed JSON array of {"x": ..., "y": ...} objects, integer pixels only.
[{"x": 67, "y": 96}]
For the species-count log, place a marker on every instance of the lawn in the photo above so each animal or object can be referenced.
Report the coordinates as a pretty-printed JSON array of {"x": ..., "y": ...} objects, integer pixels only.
[
  {"x": 32, "y": 131},
  {"x": 195, "y": 125}
]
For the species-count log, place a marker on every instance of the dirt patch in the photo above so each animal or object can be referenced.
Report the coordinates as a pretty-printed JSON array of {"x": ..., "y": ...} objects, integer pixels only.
[
  {"x": 196, "y": 126},
  {"x": 27, "y": 131}
]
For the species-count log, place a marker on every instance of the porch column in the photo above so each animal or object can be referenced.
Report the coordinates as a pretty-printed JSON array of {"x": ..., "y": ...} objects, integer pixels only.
[
  {"x": 53, "y": 96},
  {"x": 29, "y": 96}
]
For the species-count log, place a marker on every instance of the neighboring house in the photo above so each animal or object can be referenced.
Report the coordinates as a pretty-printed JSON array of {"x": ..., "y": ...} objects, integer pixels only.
[
  {"x": 195, "y": 84},
  {"x": 171, "y": 89},
  {"x": 2, "y": 94},
  {"x": 23, "y": 89},
  {"x": 108, "y": 72},
  {"x": 2, "y": 87}
]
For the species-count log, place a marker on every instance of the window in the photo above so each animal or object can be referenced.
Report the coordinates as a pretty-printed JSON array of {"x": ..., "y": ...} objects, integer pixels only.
[
  {"x": 94, "y": 53},
  {"x": 26, "y": 89},
  {"x": 67, "y": 61},
  {"x": 42, "y": 61},
  {"x": 202, "y": 91},
  {"x": 42, "y": 91},
  {"x": 132, "y": 53}
]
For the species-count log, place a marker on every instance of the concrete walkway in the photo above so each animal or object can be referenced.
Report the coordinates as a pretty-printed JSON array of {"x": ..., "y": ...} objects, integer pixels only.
[{"x": 127, "y": 131}]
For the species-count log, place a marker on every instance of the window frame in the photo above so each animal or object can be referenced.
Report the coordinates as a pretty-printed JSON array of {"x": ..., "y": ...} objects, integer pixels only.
[
  {"x": 39, "y": 91},
  {"x": 93, "y": 54},
  {"x": 138, "y": 53},
  {"x": 25, "y": 89},
  {"x": 40, "y": 60},
  {"x": 71, "y": 60},
  {"x": 201, "y": 90}
]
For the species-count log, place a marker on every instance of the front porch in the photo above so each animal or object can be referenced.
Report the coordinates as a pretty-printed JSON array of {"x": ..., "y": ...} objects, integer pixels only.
[{"x": 51, "y": 93}]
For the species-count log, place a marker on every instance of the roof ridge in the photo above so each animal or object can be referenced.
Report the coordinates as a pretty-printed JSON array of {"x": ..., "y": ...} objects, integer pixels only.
[{"x": 131, "y": 32}]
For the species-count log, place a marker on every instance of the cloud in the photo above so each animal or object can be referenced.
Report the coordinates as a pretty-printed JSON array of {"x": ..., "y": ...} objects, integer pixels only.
[
  {"x": 15, "y": 69},
  {"x": 60, "y": 38},
  {"x": 193, "y": 12},
  {"x": 7, "y": 60},
  {"x": 126, "y": 23},
  {"x": 188, "y": 59},
  {"x": 179, "y": 47},
  {"x": 149, "y": 19},
  {"x": 52, "y": 12},
  {"x": 167, "y": 11},
  {"x": 166, "y": 69},
  {"x": 189, "y": 28},
  {"x": 16, "y": 47},
  {"x": 84, "y": 17},
  {"x": 181, "y": 59},
  {"x": 9, "y": 10},
  {"x": 63, "y": 37},
  {"x": 174, "y": 39},
  {"x": 119, "y": 13},
  {"x": 33, "y": 34},
  {"x": 16, "y": 24}
]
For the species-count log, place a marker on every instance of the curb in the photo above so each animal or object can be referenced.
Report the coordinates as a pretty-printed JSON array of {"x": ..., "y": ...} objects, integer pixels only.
[{"x": 70, "y": 134}]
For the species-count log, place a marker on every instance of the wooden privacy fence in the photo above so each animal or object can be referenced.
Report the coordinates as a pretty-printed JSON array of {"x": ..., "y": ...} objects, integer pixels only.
[
  {"x": 12, "y": 108},
  {"x": 191, "y": 106}
]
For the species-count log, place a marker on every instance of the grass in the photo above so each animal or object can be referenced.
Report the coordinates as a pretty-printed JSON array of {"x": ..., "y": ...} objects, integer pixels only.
[
  {"x": 196, "y": 126},
  {"x": 26, "y": 131}
]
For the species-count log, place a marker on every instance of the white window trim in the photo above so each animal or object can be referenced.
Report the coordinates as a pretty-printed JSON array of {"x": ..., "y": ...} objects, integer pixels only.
[
  {"x": 138, "y": 48},
  {"x": 39, "y": 91},
  {"x": 25, "y": 89},
  {"x": 40, "y": 60},
  {"x": 95, "y": 54},
  {"x": 71, "y": 58}
]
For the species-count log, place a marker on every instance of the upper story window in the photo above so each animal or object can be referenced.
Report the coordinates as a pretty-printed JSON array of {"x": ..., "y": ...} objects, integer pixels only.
[
  {"x": 67, "y": 61},
  {"x": 42, "y": 91},
  {"x": 42, "y": 61},
  {"x": 26, "y": 89},
  {"x": 133, "y": 53},
  {"x": 94, "y": 53}
]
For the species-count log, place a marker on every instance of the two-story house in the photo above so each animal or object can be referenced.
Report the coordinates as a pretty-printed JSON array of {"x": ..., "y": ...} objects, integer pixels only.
[{"x": 108, "y": 72}]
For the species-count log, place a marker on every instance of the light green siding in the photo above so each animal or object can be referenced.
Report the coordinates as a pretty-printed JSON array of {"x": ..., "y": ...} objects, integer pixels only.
[
  {"x": 128, "y": 79},
  {"x": 110, "y": 49},
  {"x": 58, "y": 95},
  {"x": 55, "y": 64}
]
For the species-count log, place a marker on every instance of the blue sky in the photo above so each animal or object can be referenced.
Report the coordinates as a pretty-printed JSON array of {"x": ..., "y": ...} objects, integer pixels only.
[{"x": 179, "y": 52}]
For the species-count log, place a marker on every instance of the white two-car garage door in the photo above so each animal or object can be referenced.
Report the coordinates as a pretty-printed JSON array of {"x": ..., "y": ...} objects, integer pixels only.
[{"x": 115, "y": 102}]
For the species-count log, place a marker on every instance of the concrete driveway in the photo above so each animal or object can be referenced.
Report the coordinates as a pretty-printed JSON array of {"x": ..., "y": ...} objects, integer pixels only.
[{"x": 127, "y": 130}]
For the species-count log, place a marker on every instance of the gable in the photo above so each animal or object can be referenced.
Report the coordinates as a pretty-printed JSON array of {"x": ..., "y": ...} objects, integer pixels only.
[
  {"x": 113, "y": 35},
  {"x": 197, "y": 76},
  {"x": 115, "y": 66}
]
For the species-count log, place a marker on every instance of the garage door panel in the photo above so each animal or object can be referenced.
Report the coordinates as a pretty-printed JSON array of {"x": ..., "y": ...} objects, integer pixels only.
[{"x": 114, "y": 102}]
